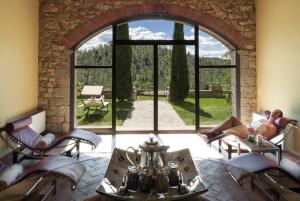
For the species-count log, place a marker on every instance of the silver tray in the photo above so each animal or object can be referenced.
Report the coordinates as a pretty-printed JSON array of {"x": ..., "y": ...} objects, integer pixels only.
[{"x": 117, "y": 169}]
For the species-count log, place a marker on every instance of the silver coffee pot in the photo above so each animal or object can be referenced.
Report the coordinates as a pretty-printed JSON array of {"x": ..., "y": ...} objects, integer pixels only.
[{"x": 151, "y": 154}]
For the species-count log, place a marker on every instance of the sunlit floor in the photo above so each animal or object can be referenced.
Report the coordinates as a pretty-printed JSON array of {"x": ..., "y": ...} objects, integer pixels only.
[{"x": 198, "y": 148}]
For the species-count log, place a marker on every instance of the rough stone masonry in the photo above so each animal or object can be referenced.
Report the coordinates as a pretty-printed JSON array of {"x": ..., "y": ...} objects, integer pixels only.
[{"x": 64, "y": 23}]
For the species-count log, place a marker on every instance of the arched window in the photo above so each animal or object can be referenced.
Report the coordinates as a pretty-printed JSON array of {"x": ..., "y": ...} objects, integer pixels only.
[{"x": 212, "y": 80}]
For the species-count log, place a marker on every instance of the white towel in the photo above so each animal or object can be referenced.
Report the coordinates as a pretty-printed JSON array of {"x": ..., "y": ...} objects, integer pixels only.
[
  {"x": 45, "y": 141},
  {"x": 10, "y": 175},
  {"x": 259, "y": 126}
]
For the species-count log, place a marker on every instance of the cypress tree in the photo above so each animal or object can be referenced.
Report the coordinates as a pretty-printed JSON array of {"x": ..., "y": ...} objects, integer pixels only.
[
  {"x": 179, "y": 82},
  {"x": 123, "y": 65}
]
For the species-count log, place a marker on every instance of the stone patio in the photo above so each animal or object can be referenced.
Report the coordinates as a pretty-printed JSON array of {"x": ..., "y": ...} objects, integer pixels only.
[{"x": 141, "y": 115}]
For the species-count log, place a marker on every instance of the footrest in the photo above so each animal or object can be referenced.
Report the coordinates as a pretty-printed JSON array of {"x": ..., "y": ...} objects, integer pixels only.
[{"x": 246, "y": 164}]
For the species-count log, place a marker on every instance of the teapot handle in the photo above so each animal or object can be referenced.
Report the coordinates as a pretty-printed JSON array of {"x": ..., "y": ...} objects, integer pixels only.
[{"x": 134, "y": 152}]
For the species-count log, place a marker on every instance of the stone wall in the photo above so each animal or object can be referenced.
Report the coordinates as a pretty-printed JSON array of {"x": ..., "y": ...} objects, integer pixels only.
[{"x": 65, "y": 23}]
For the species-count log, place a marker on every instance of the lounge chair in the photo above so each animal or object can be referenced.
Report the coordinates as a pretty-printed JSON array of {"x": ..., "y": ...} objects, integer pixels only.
[
  {"x": 229, "y": 143},
  {"x": 96, "y": 104},
  {"x": 93, "y": 103},
  {"x": 263, "y": 172},
  {"x": 46, "y": 170},
  {"x": 23, "y": 135}
]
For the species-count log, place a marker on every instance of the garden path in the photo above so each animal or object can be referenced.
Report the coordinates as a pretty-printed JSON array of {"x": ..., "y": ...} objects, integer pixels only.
[{"x": 141, "y": 117}]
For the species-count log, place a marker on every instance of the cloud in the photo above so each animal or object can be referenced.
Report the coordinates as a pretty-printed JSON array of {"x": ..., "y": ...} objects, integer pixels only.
[
  {"x": 207, "y": 41},
  {"x": 191, "y": 37},
  {"x": 208, "y": 46},
  {"x": 103, "y": 38},
  {"x": 212, "y": 53},
  {"x": 142, "y": 33},
  {"x": 207, "y": 52}
]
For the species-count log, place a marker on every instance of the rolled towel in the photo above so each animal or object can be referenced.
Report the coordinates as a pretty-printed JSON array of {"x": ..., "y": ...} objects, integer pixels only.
[
  {"x": 10, "y": 175},
  {"x": 282, "y": 122},
  {"x": 292, "y": 167},
  {"x": 45, "y": 141}
]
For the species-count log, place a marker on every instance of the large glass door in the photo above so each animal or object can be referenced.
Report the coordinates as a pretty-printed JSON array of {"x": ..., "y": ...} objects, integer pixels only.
[
  {"x": 144, "y": 83},
  {"x": 134, "y": 88},
  {"x": 176, "y": 88}
]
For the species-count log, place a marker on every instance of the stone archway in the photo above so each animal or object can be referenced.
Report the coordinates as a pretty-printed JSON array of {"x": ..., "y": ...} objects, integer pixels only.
[
  {"x": 67, "y": 23},
  {"x": 107, "y": 18}
]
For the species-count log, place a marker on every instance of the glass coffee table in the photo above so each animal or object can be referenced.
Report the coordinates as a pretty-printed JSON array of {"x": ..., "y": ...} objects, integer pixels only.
[{"x": 264, "y": 147}]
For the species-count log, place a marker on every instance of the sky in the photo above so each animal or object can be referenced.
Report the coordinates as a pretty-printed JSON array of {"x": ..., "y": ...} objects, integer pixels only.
[{"x": 161, "y": 30}]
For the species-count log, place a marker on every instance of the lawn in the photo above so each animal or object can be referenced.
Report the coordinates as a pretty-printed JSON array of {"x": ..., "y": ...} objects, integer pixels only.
[
  {"x": 94, "y": 119},
  {"x": 212, "y": 111}
]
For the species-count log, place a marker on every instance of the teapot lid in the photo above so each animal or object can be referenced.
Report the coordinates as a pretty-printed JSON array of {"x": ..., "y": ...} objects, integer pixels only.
[
  {"x": 152, "y": 145},
  {"x": 151, "y": 141}
]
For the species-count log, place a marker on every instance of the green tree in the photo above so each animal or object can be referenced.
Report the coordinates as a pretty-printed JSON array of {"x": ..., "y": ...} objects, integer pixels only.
[
  {"x": 179, "y": 82},
  {"x": 142, "y": 68},
  {"x": 123, "y": 63}
]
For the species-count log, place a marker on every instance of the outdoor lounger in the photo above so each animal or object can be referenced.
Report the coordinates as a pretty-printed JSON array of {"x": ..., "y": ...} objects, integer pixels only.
[
  {"x": 97, "y": 104},
  {"x": 93, "y": 103},
  {"x": 46, "y": 170},
  {"x": 23, "y": 135}
]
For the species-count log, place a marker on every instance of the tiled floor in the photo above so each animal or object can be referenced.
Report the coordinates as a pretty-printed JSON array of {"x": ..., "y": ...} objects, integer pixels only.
[{"x": 221, "y": 187}]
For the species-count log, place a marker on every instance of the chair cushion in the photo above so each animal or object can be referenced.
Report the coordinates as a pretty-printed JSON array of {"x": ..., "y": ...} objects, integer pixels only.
[
  {"x": 19, "y": 124},
  {"x": 57, "y": 165},
  {"x": 246, "y": 164},
  {"x": 27, "y": 136},
  {"x": 83, "y": 135},
  {"x": 20, "y": 131}
]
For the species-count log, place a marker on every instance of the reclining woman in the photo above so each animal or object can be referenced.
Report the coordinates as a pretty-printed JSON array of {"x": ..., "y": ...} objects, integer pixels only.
[{"x": 266, "y": 127}]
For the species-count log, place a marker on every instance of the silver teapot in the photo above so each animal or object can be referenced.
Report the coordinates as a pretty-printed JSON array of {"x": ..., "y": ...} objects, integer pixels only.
[{"x": 151, "y": 154}]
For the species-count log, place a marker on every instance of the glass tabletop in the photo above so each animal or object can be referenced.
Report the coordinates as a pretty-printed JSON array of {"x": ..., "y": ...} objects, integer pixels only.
[{"x": 213, "y": 174}]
